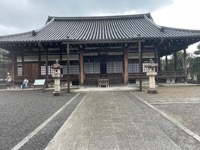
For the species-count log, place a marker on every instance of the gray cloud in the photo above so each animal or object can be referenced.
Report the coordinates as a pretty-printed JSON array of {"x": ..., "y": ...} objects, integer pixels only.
[{"x": 32, "y": 14}]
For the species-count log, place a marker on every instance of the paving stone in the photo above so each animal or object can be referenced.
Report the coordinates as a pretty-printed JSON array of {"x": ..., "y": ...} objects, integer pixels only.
[
  {"x": 138, "y": 144},
  {"x": 117, "y": 120},
  {"x": 167, "y": 142},
  {"x": 112, "y": 125},
  {"x": 82, "y": 143},
  {"x": 95, "y": 146},
  {"x": 125, "y": 145},
  {"x": 178, "y": 136},
  {"x": 109, "y": 142}
]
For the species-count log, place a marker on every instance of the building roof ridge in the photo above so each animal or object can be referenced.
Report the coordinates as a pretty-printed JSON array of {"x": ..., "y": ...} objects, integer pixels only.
[
  {"x": 100, "y": 28},
  {"x": 99, "y": 17},
  {"x": 150, "y": 20},
  {"x": 46, "y": 25}
]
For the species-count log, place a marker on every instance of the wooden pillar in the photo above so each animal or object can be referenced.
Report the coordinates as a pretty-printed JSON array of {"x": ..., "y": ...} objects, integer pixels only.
[
  {"x": 156, "y": 61},
  {"x": 23, "y": 63},
  {"x": 140, "y": 65},
  {"x": 68, "y": 73},
  {"x": 175, "y": 61},
  {"x": 60, "y": 54},
  {"x": 185, "y": 64},
  {"x": 39, "y": 58},
  {"x": 159, "y": 64},
  {"x": 13, "y": 68},
  {"x": 4, "y": 66},
  {"x": 46, "y": 64},
  {"x": 166, "y": 63},
  {"x": 125, "y": 67},
  {"x": 81, "y": 71}
]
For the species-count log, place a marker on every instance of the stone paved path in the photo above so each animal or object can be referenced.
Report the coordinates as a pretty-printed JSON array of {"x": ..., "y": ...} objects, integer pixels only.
[
  {"x": 118, "y": 120},
  {"x": 181, "y": 103}
]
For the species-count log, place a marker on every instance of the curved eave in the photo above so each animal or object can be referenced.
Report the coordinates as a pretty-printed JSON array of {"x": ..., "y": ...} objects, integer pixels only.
[
  {"x": 100, "y": 29},
  {"x": 124, "y": 40},
  {"x": 25, "y": 37}
]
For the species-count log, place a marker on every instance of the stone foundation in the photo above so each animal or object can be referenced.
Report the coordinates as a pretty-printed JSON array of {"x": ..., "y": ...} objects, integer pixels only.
[{"x": 152, "y": 91}]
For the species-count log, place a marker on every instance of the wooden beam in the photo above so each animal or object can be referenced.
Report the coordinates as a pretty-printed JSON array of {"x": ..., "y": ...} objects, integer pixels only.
[{"x": 103, "y": 41}]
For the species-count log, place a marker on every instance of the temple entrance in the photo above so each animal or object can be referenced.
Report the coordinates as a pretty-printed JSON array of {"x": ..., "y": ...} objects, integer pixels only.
[
  {"x": 103, "y": 66},
  {"x": 103, "y": 69}
]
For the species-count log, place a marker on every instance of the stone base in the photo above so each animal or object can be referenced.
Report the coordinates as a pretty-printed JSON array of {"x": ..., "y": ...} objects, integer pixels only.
[
  {"x": 152, "y": 91},
  {"x": 57, "y": 94}
]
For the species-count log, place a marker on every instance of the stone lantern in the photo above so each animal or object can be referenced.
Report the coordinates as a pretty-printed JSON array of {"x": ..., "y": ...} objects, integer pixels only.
[
  {"x": 151, "y": 74},
  {"x": 57, "y": 76}
]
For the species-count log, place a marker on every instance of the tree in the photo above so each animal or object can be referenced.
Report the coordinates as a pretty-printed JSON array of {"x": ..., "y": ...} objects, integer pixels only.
[
  {"x": 194, "y": 65},
  {"x": 179, "y": 62},
  {"x": 3, "y": 53}
]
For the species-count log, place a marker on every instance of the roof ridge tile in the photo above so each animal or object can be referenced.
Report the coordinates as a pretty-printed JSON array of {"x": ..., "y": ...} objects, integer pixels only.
[{"x": 99, "y": 17}]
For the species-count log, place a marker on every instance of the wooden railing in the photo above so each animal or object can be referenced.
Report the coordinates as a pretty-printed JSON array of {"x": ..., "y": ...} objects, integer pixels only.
[
  {"x": 136, "y": 75},
  {"x": 168, "y": 74}
]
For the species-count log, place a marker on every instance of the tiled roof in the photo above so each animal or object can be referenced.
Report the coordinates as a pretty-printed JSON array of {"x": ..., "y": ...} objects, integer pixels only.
[{"x": 100, "y": 29}]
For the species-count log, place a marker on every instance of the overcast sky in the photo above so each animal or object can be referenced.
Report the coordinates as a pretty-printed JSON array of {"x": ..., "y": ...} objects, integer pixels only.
[{"x": 18, "y": 16}]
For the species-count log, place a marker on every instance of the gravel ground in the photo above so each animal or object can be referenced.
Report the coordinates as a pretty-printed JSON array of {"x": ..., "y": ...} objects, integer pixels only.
[
  {"x": 21, "y": 112},
  {"x": 182, "y": 103}
]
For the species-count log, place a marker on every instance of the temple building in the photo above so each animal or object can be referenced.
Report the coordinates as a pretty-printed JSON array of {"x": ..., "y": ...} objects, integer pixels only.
[{"x": 112, "y": 47}]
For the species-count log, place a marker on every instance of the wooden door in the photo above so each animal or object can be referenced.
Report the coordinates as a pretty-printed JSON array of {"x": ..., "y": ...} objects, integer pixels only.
[{"x": 31, "y": 70}]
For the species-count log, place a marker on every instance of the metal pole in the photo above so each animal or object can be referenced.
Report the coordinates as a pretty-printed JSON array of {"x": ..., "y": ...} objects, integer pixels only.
[
  {"x": 68, "y": 73},
  {"x": 140, "y": 65}
]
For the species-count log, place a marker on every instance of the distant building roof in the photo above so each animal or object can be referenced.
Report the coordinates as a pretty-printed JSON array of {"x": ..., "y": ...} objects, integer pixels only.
[{"x": 101, "y": 28}]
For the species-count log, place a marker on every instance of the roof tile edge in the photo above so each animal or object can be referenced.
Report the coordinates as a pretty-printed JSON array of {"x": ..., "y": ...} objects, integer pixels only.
[{"x": 99, "y": 17}]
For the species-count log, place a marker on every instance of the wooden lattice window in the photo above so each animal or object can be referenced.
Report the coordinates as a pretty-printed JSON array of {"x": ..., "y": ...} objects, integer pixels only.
[{"x": 133, "y": 67}]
